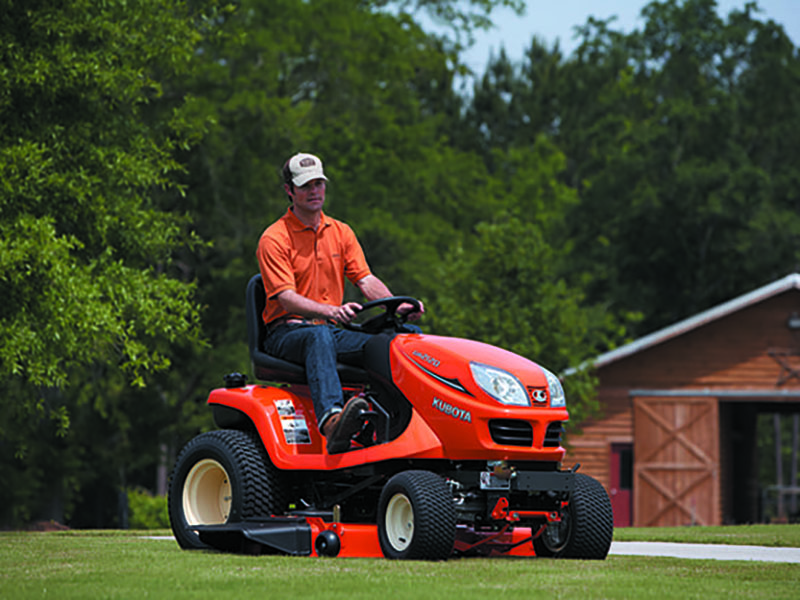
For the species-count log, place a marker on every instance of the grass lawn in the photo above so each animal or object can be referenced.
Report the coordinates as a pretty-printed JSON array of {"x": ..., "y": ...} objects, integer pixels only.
[
  {"x": 783, "y": 536},
  {"x": 95, "y": 564}
]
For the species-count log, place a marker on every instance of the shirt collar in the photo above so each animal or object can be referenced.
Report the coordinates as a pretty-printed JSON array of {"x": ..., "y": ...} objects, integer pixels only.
[{"x": 298, "y": 225}]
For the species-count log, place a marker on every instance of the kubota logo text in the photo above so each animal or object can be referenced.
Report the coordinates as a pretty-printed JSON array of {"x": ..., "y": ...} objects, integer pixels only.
[
  {"x": 453, "y": 411},
  {"x": 428, "y": 359}
]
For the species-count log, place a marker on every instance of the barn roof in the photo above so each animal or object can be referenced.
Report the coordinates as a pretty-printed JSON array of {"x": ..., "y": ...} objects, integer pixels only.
[{"x": 773, "y": 289}]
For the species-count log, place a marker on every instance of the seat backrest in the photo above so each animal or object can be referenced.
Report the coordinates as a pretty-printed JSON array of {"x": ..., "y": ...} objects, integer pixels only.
[
  {"x": 256, "y": 300},
  {"x": 267, "y": 367}
]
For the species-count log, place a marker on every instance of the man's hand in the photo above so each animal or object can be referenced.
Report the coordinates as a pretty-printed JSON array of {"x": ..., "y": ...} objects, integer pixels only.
[
  {"x": 410, "y": 312},
  {"x": 345, "y": 313},
  {"x": 374, "y": 289}
]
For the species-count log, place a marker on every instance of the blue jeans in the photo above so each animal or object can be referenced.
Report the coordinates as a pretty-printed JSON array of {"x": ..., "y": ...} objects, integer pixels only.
[{"x": 318, "y": 348}]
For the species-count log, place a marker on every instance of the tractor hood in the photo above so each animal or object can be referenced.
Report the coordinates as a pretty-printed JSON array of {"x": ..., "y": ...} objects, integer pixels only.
[{"x": 459, "y": 363}]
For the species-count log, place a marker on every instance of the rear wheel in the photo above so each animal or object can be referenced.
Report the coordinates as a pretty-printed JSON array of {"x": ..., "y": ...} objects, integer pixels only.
[
  {"x": 221, "y": 477},
  {"x": 416, "y": 517},
  {"x": 586, "y": 528}
]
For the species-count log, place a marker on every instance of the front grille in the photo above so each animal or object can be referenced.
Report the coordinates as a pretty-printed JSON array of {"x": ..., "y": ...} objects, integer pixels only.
[
  {"x": 552, "y": 437},
  {"x": 511, "y": 432}
]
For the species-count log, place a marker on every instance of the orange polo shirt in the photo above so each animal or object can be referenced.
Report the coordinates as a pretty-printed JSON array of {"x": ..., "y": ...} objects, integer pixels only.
[{"x": 292, "y": 256}]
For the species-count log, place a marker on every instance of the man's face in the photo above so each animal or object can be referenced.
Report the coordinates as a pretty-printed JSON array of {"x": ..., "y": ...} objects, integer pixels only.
[{"x": 309, "y": 197}]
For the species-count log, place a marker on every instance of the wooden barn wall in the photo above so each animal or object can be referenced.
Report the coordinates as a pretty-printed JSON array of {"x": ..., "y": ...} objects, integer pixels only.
[
  {"x": 751, "y": 349},
  {"x": 730, "y": 353},
  {"x": 591, "y": 447}
]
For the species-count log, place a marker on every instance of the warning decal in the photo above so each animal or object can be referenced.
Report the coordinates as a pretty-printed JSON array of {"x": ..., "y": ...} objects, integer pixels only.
[{"x": 295, "y": 428}]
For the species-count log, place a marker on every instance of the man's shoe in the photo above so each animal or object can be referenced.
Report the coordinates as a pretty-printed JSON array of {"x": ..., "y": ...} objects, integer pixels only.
[
  {"x": 341, "y": 431},
  {"x": 330, "y": 425}
]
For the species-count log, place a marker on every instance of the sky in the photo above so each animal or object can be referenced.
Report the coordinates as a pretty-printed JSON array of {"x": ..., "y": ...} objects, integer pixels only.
[{"x": 555, "y": 19}]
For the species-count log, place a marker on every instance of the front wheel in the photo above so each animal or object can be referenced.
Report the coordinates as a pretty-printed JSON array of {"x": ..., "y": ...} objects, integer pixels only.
[
  {"x": 221, "y": 477},
  {"x": 416, "y": 517},
  {"x": 586, "y": 528}
]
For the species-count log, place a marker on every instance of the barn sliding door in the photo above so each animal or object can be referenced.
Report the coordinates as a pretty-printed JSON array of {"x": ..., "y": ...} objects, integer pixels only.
[{"x": 676, "y": 461}]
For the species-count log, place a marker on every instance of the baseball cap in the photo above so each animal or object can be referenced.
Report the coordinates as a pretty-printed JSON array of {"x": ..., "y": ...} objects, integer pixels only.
[{"x": 305, "y": 167}]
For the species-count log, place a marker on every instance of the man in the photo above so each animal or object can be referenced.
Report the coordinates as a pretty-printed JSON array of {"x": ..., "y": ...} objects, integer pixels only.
[{"x": 304, "y": 257}]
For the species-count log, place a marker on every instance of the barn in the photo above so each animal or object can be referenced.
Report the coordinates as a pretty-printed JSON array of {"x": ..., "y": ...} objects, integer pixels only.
[{"x": 676, "y": 441}]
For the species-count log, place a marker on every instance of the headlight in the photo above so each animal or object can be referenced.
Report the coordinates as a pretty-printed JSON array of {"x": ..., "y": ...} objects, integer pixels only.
[
  {"x": 557, "y": 398},
  {"x": 500, "y": 385}
]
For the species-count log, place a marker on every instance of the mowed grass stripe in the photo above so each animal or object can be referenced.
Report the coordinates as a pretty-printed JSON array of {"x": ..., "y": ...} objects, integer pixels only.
[{"x": 130, "y": 565}]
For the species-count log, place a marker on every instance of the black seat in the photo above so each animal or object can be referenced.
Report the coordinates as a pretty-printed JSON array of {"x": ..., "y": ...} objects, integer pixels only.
[{"x": 267, "y": 367}]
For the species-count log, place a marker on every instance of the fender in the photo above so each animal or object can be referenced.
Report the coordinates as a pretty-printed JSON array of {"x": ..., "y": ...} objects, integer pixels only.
[{"x": 286, "y": 424}]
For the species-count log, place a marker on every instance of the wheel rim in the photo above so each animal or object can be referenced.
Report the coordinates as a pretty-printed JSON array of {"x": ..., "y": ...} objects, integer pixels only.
[
  {"x": 207, "y": 494},
  {"x": 399, "y": 522},
  {"x": 556, "y": 535}
]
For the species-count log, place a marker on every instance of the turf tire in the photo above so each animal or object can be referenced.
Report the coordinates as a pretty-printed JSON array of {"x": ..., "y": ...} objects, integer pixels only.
[
  {"x": 416, "y": 517},
  {"x": 587, "y": 526},
  {"x": 252, "y": 483}
]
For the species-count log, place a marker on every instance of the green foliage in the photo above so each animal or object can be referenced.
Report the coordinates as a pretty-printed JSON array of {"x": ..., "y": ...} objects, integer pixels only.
[
  {"x": 369, "y": 93},
  {"x": 510, "y": 272},
  {"x": 687, "y": 200},
  {"x": 89, "y": 134},
  {"x": 84, "y": 247},
  {"x": 675, "y": 140},
  {"x": 147, "y": 511},
  {"x": 462, "y": 17}
]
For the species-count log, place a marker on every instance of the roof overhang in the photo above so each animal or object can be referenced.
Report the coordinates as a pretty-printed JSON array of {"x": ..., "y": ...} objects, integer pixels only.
[{"x": 763, "y": 293}]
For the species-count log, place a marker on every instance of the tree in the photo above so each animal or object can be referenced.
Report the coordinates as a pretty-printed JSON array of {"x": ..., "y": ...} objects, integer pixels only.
[
  {"x": 507, "y": 285},
  {"x": 675, "y": 141},
  {"x": 85, "y": 250},
  {"x": 514, "y": 104},
  {"x": 88, "y": 140},
  {"x": 688, "y": 193}
]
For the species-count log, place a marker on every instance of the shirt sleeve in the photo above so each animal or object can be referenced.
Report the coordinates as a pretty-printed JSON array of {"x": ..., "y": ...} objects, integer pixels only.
[
  {"x": 355, "y": 263},
  {"x": 275, "y": 264}
]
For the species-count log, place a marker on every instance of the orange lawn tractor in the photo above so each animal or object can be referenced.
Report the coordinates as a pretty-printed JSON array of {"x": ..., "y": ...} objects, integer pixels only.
[{"x": 459, "y": 454}]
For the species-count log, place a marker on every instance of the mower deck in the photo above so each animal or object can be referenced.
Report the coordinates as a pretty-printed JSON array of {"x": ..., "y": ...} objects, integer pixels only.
[{"x": 312, "y": 536}]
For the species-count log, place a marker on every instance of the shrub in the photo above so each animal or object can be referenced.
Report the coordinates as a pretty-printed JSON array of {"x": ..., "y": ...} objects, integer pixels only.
[{"x": 147, "y": 511}]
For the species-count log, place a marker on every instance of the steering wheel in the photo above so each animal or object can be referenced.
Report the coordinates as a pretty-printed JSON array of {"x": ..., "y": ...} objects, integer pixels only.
[{"x": 389, "y": 318}]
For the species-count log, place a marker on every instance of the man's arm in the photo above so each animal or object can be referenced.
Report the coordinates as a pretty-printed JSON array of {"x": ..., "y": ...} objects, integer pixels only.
[
  {"x": 374, "y": 289},
  {"x": 296, "y": 304}
]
